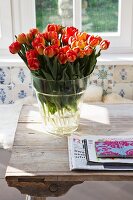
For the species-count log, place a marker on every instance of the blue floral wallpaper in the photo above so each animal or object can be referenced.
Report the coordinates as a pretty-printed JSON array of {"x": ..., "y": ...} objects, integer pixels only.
[{"x": 15, "y": 82}]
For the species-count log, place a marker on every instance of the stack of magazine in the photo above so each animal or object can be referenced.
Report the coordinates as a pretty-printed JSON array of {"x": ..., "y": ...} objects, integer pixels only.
[{"x": 100, "y": 152}]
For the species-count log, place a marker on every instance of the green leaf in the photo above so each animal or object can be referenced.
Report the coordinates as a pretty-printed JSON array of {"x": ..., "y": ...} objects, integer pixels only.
[
  {"x": 63, "y": 74},
  {"x": 77, "y": 70},
  {"x": 37, "y": 84},
  {"x": 90, "y": 64},
  {"x": 98, "y": 54},
  {"x": 48, "y": 76},
  {"x": 69, "y": 70},
  {"x": 51, "y": 67},
  {"x": 55, "y": 67}
]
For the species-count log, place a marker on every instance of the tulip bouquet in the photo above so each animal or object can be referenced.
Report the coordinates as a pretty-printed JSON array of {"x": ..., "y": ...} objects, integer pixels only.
[
  {"x": 59, "y": 53},
  {"x": 58, "y": 58}
]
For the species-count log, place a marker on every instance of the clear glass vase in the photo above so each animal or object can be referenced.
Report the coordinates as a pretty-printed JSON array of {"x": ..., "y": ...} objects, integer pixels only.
[{"x": 59, "y": 103}]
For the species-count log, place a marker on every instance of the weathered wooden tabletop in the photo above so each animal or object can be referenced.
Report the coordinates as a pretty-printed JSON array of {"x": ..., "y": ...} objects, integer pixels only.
[{"x": 39, "y": 163}]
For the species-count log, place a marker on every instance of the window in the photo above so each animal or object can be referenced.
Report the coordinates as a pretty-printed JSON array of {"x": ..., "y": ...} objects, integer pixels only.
[
  {"x": 5, "y": 25},
  {"x": 113, "y": 19},
  {"x": 53, "y": 11},
  {"x": 100, "y": 15}
]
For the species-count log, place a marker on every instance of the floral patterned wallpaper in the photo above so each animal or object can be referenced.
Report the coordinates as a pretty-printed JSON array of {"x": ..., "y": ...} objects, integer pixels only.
[{"x": 15, "y": 82}]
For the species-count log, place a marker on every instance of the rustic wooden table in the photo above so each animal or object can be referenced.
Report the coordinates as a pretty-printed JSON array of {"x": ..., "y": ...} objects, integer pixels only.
[{"x": 39, "y": 163}]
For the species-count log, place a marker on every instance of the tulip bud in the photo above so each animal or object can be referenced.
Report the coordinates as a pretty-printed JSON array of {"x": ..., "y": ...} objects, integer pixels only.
[
  {"x": 64, "y": 49},
  {"x": 22, "y": 38},
  {"x": 40, "y": 49},
  {"x": 104, "y": 44},
  {"x": 52, "y": 35},
  {"x": 48, "y": 51},
  {"x": 65, "y": 39},
  {"x": 38, "y": 40},
  {"x": 88, "y": 50},
  {"x": 55, "y": 49},
  {"x": 31, "y": 54},
  {"x": 62, "y": 58},
  {"x": 81, "y": 53},
  {"x": 74, "y": 44},
  {"x": 71, "y": 55},
  {"x": 15, "y": 47},
  {"x": 29, "y": 38},
  {"x": 81, "y": 44},
  {"x": 93, "y": 41},
  {"x": 55, "y": 42},
  {"x": 33, "y": 64},
  {"x": 34, "y": 31},
  {"x": 82, "y": 36},
  {"x": 53, "y": 27}
]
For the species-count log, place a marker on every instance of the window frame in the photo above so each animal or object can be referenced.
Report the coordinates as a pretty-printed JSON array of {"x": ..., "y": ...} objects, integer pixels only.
[
  {"x": 6, "y": 34},
  {"x": 121, "y": 42}
]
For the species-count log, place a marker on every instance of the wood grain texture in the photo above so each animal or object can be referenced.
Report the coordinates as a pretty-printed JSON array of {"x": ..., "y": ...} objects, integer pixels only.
[{"x": 40, "y": 159}]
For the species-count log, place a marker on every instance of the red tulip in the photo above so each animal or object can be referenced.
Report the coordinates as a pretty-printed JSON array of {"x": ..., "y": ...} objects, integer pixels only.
[
  {"x": 93, "y": 41},
  {"x": 52, "y": 35},
  {"x": 33, "y": 64},
  {"x": 40, "y": 49},
  {"x": 55, "y": 42},
  {"x": 53, "y": 27},
  {"x": 15, "y": 47},
  {"x": 55, "y": 49},
  {"x": 104, "y": 44},
  {"x": 88, "y": 50},
  {"x": 31, "y": 54},
  {"x": 38, "y": 40},
  {"x": 48, "y": 51},
  {"x": 70, "y": 31},
  {"x": 71, "y": 55},
  {"x": 65, "y": 39},
  {"x": 62, "y": 58},
  {"x": 80, "y": 52},
  {"x": 64, "y": 49},
  {"x": 34, "y": 31}
]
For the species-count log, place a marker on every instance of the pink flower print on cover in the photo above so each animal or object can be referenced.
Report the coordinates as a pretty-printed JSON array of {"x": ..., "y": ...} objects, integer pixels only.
[{"x": 114, "y": 149}]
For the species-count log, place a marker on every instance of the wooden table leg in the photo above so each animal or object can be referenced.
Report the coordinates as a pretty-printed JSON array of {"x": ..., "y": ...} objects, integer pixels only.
[{"x": 35, "y": 198}]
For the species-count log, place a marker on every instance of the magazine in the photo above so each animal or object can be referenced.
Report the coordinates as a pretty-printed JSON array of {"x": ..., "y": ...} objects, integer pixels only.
[{"x": 83, "y": 156}]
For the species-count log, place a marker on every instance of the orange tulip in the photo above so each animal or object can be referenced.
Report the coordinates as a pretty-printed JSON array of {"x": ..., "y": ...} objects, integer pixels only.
[
  {"x": 104, "y": 44},
  {"x": 88, "y": 50},
  {"x": 81, "y": 44},
  {"x": 82, "y": 36},
  {"x": 48, "y": 51},
  {"x": 29, "y": 38},
  {"x": 22, "y": 38},
  {"x": 55, "y": 42},
  {"x": 40, "y": 49}
]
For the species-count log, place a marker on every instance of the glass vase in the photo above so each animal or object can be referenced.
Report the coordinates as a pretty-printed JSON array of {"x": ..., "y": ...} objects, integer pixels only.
[{"x": 59, "y": 103}]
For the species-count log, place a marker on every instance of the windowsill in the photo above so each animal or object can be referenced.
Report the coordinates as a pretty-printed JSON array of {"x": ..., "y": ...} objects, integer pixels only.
[{"x": 106, "y": 59}]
